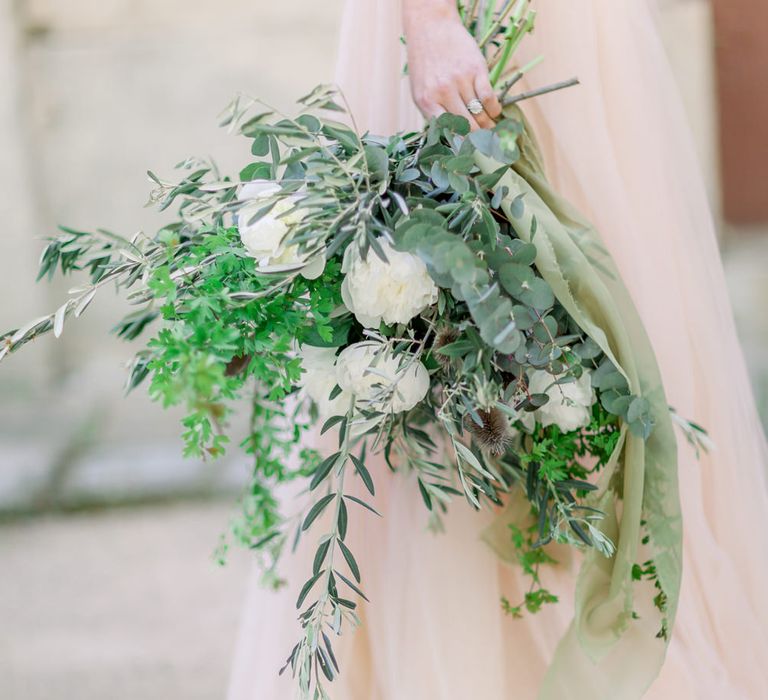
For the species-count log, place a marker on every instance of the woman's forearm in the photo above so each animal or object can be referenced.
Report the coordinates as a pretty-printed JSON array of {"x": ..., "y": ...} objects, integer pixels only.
[
  {"x": 414, "y": 9},
  {"x": 418, "y": 12}
]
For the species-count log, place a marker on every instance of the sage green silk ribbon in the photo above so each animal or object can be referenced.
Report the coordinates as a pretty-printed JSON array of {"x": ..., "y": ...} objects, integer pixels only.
[{"x": 607, "y": 652}]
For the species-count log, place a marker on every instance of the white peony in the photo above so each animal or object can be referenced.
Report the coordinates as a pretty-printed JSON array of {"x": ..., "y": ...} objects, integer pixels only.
[
  {"x": 319, "y": 379},
  {"x": 393, "y": 291},
  {"x": 569, "y": 406},
  {"x": 371, "y": 372},
  {"x": 264, "y": 238}
]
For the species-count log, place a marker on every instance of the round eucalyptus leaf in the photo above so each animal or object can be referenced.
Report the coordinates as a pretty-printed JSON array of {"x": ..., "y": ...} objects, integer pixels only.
[
  {"x": 514, "y": 278},
  {"x": 615, "y": 402},
  {"x": 525, "y": 254},
  {"x": 538, "y": 294},
  {"x": 524, "y": 317},
  {"x": 588, "y": 349}
]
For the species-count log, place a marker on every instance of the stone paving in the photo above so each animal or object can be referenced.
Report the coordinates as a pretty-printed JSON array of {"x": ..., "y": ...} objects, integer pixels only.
[{"x": 119, "y": 605}]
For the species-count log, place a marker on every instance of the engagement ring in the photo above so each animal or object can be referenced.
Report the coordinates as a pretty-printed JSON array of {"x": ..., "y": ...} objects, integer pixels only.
[{"x": 475, "y": 106}]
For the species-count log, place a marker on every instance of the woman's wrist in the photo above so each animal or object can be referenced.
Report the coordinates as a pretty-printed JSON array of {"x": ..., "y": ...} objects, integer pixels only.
[{"x": 426, "y": 10}]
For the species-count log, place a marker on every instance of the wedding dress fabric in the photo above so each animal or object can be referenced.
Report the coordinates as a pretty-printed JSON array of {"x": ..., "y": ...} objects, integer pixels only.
[{"x": 618, "y": 148}]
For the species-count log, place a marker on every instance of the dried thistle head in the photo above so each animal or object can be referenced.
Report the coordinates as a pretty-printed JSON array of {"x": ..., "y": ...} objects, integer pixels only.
[
  {"x": 445, "y": 336},
  {"x": 494, "y": 435},
  {"x": 236, "y": 365}
]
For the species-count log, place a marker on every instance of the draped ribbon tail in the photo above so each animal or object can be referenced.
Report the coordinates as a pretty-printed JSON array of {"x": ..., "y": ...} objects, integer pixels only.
[{"x": 611, "y": 649}]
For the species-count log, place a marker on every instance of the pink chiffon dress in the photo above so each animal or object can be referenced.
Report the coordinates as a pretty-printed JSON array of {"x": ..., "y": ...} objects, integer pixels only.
[{"x": 619, "y": 149}]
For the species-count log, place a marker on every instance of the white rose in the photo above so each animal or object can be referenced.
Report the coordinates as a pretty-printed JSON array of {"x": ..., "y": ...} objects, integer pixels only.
[
  {"x": 394, "y": 291},
  {"x": 264, "y": 238},
  {"x": 319, "y": 379},
  {"x": 379, "y": 379},
  {"x": 569, "y": 406}
]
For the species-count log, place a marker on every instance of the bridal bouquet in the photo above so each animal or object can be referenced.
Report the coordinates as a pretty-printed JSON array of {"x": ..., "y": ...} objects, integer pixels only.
[{"x": 425, "y": 296}]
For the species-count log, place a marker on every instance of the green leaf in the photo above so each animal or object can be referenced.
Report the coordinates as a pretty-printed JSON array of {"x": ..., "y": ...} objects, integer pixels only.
[
  {"x": 343, "y": 520},
  {"x": 255, "y": 120},
  {"x": 525, "y": 254},
  {"x": 316, "y": 510},
  {"x": 588, "y": 350},
  {"x": 579, "y": 530},
  {"x": 329, "y": 649},
  {"x": 325, "y": 665},
  {"x": 323, "y": 470},
  {"x": 457, "y": 348},
  {"x": 513, "y": 276},
  {"x": 377, "y": 160},
  {"x": 360, "y": 502},
  {"x": 255, "y": 171},
  {"x": 353, "y": 567},
  {"x": 425, "y": 495},
  {"x": 409, "y": 175},
  {"x": 352, "y": 586},
  {"x": 462, "y": 165},
  {"x": 640, "y": 418},
  {"x": 365, "y": 475},
  {"x": 538, "y": 294},
  {"x": 264, "y": 540},
  {"x": 260, "y": 145},
  {"x": 310, "y": 122},
  {"x": 469, "y": 457},
  {"x": 638, "y": 408},
  {"x": 518, "y": 206},
  {"x": 320, "y": 555},
  {"x": 330, "y": 423},
  {"x": 307, "y": 588},
  {"x": 453, "y": 123},
  {"x": 344, "y": 136},
  {"x": 615, "y": 402}
]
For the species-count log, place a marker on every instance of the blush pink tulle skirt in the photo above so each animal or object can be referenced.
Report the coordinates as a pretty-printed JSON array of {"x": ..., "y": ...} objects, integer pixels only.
[{"x": 619, "y": 148}]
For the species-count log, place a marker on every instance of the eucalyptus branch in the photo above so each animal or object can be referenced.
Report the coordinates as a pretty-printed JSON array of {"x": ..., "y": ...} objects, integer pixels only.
[
  {"x": 540, "y": 91},
  {"x": 517, "y": 76}
]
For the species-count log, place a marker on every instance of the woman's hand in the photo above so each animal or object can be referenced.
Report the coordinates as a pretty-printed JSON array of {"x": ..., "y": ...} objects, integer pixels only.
[{"x": 446, "y": 68}]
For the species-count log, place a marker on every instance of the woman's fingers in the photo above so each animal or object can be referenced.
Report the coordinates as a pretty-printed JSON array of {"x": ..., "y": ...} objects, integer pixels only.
[
  {"x": 431, "y": 109},
  {"x": 455, "y": 104},
  {"x": 455, "y": 96},
  {"x": 469, "y": 93},
  {"x": 486, "y": 95}
]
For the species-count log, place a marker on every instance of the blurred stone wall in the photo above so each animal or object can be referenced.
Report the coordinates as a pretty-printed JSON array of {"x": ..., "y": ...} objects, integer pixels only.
[{"x": 93, "y": 94}]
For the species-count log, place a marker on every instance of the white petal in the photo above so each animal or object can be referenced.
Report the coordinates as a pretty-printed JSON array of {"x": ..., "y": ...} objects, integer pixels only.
[
  {"x": 314, "y": 268},
  {"x": 258, "y": 189}
]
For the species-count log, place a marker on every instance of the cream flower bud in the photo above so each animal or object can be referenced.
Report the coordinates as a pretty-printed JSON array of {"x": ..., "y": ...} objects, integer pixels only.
[
  {"x": 394, "y": 291},
  {"x": 265, "y": 238},
  {"x": 379, "y": 379},
  {"x": 569, "y": 406},
  {"x": 319, "y": 379}
]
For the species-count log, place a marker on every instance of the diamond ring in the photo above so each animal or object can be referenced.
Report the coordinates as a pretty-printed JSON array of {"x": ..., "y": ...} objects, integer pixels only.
[{"x": 475, "y": 106}]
